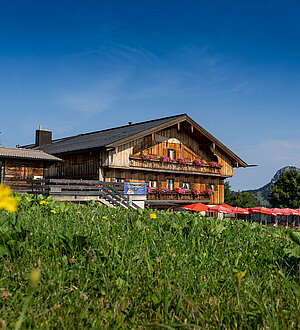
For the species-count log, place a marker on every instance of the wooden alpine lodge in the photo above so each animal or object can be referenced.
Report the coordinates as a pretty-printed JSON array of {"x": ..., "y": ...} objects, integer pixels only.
[{"x": 179, "y": 160}]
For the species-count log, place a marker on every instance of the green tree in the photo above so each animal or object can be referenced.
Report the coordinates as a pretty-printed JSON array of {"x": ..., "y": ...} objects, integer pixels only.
[
  {"x": 285, "y": 192},
  {"x": 240, "y": 199},
  {"x": 244, "y": 199},
  {"x": 228, "y": 194}
]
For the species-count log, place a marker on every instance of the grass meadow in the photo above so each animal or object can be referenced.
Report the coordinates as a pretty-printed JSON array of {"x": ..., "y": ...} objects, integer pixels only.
[{"x": 116, "y": 268}]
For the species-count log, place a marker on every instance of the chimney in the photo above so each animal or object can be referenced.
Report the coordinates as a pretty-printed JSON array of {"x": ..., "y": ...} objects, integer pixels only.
[{"x": 42, "y": 137}]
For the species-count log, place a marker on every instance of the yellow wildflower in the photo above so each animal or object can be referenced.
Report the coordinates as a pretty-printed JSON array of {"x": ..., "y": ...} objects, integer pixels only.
[
  {"x": 153, "y": 216},
  {"x": 104, "y": 217},
  {"x": 47, "y": 203},
  {"x": 42, "y": 202},
  {"x": 7, "y": 202},
  {"x": 34, "y": 277},
  {"x": 240, "y": 276},
  {"x": 53, "y": 211}
]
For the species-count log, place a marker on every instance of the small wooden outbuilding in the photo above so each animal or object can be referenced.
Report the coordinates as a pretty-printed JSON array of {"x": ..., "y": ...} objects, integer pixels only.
[{"x": 18, "y": 166}]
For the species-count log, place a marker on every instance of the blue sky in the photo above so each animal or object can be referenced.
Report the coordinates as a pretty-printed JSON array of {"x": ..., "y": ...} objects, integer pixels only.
[{"x": 232, "y": 66}]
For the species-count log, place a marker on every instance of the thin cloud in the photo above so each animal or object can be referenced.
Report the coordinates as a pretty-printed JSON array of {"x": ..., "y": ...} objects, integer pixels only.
[{"x": 95, "y": 99}]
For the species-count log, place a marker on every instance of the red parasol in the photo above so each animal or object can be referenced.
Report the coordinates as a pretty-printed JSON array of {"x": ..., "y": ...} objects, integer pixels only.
[
  {"x": 287, "y": 211},
  {"x": 260, "y": 210},
  {"x": 240, "y": 210},
  {"x": 228, "y": 206},
  {"x": 294, "y": 212},
  {"x": 275, "y": 211},
  {"x": 220, "y": 209},
  {"x": 236, "y": 209},
  {"x": 200, "y": 207}
]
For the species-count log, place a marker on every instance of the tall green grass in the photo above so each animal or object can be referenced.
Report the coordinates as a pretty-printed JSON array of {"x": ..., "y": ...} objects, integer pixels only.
[{"x": 117, "y": 268}]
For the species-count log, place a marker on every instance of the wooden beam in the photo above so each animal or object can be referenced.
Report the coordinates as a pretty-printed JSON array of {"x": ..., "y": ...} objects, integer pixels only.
[
  {"x": 178, "y": 126},
  {"x": 192, "y": 128}
]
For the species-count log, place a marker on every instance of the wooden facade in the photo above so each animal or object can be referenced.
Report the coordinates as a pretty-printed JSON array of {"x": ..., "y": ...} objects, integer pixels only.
[
  {"x": 18, "y": 166},
  {"x": 206, "y": 163},
  {"x": 16, "y": 173}
]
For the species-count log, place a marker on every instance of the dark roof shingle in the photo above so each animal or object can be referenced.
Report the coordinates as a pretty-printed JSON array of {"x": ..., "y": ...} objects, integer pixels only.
[{"x": 101, "y": 138}]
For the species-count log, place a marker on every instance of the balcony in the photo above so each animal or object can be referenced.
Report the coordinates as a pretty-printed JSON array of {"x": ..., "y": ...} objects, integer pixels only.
[
  {"x": 155, "y": 164},
  {"x": 174, "y": 196}
]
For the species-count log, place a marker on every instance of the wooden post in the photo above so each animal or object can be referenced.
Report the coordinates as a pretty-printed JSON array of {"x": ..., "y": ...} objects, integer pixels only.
[
  {"x": 101, "y": 174},
  {"x": 294, "y": 220}
]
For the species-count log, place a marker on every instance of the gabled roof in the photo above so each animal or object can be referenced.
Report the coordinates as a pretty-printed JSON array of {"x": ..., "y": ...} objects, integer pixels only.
[
  {"x": 102, "y": 138},
  {"x": 19, "y": 153},
  {"x": 117, "y": 136}
]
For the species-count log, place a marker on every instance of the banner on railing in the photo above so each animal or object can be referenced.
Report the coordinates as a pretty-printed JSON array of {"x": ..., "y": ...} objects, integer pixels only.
[{"x": 131, "y": 188}]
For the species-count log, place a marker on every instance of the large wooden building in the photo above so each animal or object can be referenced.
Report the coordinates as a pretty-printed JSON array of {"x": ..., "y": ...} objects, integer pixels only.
[
  {"x": 178, "y": 159},
  {"x": 19, "y": 166}
]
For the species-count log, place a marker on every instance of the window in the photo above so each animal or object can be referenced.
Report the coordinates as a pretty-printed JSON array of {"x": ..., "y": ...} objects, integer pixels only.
[
  {"x": 171, "y": 154},
  {"x": 152, "y": 184},
  {"x": 186, "y": 185},
  {"x": 210, "y": 186},
  {"x": 170, "y": 184},
  {"x": 120, "y": 180}
]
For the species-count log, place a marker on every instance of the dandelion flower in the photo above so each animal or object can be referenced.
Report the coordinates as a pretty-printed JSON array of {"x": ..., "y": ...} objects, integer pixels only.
[
  {"x": 7, "y": 202},
  {"x": 53, "y": 211},
  {"x": 34, "y": 277},
  {"x": 42, "y": 202},
  {"x": 240, "y": 276},
  {"x": 104, "y": 217},
  {"x": 153, "y": 216}
]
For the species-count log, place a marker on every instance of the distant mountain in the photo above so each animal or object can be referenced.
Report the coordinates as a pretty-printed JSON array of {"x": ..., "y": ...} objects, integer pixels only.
[{"x": 262, "y": 194}]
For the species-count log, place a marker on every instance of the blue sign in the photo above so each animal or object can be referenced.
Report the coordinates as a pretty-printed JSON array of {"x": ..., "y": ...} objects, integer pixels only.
[{"x": 131, "y": 188}]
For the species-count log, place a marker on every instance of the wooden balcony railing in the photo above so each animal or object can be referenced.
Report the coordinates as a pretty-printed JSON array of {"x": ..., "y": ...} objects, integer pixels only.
[
  {"x": 173, "y": 195},
  {"x": 155, "y": 163}
]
